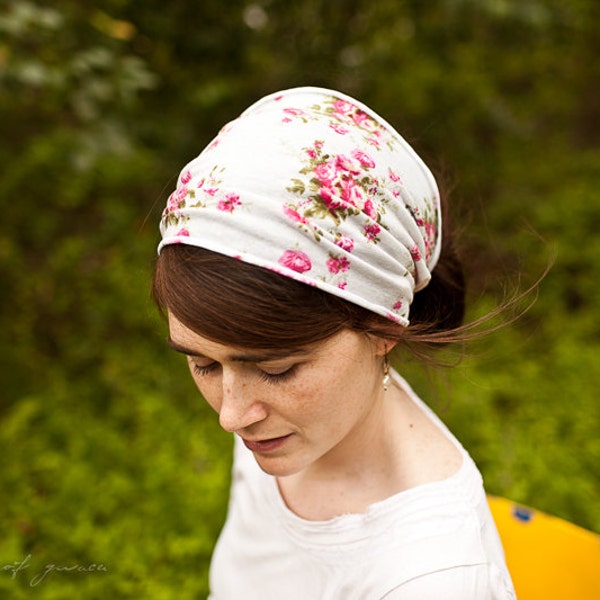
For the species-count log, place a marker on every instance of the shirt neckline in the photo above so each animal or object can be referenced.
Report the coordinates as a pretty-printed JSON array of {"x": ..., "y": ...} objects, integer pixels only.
[{"x": 462, "y": 486}]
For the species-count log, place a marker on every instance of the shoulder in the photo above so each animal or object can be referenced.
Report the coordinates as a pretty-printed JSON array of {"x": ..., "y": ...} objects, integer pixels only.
[
  {"x": 470, "y": 582},
  {"x": 441, "y": 542}
]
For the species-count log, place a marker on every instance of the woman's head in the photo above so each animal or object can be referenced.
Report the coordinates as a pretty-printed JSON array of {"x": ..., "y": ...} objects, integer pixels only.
[
  {"x": 307, "y": 215},
  {"x": 315, "y": 186},
  {"x": 296, "y": 372}
]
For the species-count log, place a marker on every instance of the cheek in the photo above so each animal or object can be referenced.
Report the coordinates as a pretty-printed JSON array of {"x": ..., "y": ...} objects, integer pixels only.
[
  {"x": 342, "y": 393},
  {"x": 312, "y": 402},
  {"x": 210, "y": 392}
]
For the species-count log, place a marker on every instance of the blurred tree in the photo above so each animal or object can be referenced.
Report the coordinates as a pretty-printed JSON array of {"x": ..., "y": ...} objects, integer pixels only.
[
  {"x": 72, "y": 182},
  {"x": 113, "y": 457}
]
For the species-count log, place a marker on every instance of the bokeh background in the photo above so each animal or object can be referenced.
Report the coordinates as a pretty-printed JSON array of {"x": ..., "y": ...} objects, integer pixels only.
[{"x": 108, "y": 453}]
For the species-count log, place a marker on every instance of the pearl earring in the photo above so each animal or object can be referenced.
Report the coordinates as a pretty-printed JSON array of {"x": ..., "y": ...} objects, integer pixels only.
[{"x": 386, "y": 373}]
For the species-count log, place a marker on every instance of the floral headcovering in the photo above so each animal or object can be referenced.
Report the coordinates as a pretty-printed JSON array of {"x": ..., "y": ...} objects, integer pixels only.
[{"x": 316, "y": 186}]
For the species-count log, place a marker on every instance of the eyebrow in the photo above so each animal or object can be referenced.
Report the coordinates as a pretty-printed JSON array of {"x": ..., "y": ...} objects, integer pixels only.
[{"x": 255, "y": 358}]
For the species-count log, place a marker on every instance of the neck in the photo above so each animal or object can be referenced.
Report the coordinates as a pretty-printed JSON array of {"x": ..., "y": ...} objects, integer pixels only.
[{"x": 364, "y": 468}]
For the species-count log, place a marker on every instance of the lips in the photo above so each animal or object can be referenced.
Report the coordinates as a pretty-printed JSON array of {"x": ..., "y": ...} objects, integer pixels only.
[{"x": 266, "y": 446}]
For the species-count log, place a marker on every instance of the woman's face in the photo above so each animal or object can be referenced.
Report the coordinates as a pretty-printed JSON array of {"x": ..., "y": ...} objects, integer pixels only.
[{"x": 304, "y": 408}]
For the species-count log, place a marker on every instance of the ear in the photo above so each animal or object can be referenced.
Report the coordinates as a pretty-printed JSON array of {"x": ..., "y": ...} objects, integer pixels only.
[{"x": 383, "y": 346}]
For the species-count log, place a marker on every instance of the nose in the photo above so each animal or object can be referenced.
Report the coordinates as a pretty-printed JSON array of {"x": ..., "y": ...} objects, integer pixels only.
[{"x": 239, "y": 408}]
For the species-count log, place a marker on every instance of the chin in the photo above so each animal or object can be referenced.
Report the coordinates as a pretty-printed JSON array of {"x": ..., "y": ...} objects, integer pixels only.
[{"x": 277, "y": 467}]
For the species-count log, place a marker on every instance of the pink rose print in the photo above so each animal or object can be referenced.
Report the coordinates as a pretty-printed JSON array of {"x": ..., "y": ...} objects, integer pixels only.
[
  {"x": 343, "y": 117},
  {"x": 336, "y": 186},
  {"x": 177, "y": 199},
  {"x": 186, "y": 177},
  {"x": 339, "y": 128},
  {"x": 342, "y": 285},
  {"x": 182, "y": 233},
  {"x": 363, "y": 120},
  {"x": 331, "y": 200},
  {"x": 296, "y": 260},
  {"x": 181, "y": 193},
  {"x": 369, "y": 209},
  {"x": 393, "y": 176},
  {"x": 415, "y": 253},
  {"x": 430, "y": 237},
  {"x": 294, "y": 215},
  {"x": 293, "y": 112},
  {"x": 397, "y": 305},
  {"x": 416, "y": 215},
  {"x": 345, "y": 243},
  {"x": 296, "y": 112},
  {"x": 326, "y": 172},
  {"x": 172, "y": 203},
  {"x": 171, "y": 214},
  {"x": 342, "y": 107},
  {"x": 351, "y": 115},
  {"x": 230, "y": 202},
  {"x": 363, "y": 158},
  {"x": 337, "y": 264},
  {"x": 350, "y": 192},
  {"x": 345, "y": 163},
  {"x": 372, "y": 231}
]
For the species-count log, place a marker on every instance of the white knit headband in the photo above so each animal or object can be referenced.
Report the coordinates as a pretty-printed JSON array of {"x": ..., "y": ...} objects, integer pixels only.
[{"x": 316, "y": 186}]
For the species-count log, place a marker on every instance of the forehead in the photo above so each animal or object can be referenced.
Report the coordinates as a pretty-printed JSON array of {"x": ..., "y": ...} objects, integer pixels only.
[
  {"x": 187, "y": 341},
  {"x": 184, "y": 340}
]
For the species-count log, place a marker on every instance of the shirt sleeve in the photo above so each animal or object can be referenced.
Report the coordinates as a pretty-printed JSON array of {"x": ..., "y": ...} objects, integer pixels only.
[{"x": 473, "y": 582}]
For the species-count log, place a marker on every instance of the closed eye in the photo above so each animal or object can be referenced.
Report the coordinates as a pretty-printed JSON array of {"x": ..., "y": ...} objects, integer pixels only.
[
  {"x": 205, "y": 369},
  {"x": 274, "y": 378}
]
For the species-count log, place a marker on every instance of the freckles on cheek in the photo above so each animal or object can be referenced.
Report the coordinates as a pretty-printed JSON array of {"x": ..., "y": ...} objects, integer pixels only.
[{"x": 311, "y": 401}]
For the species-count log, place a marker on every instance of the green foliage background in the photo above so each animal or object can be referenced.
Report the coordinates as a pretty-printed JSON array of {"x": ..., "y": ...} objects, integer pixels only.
[{"x": 109, "y": 455}]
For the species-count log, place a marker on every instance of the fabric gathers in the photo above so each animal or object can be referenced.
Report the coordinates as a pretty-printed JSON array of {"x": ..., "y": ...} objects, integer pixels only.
[{"x": 316, "y": 186}]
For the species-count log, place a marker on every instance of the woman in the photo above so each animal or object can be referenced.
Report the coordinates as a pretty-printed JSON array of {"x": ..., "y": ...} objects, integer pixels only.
[{"x": 297, "y": 252}]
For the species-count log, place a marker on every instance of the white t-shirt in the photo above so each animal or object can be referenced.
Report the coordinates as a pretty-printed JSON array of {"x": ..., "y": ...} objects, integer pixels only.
[{"x": 436, "y": 541}]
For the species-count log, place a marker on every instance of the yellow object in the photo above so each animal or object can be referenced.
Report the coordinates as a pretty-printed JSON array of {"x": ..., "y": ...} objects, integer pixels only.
[{"x": 548, "y": 558}]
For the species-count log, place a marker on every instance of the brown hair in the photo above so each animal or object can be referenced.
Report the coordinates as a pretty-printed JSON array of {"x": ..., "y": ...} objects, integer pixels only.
[{"x": 240, "y": 304}]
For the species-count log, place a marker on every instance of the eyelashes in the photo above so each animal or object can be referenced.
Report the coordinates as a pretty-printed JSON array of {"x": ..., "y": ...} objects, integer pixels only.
[
  {"x": 271, "y": 378},
  {"x": 278, "y": 377},
  {"x": 203, "y": 371}
]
